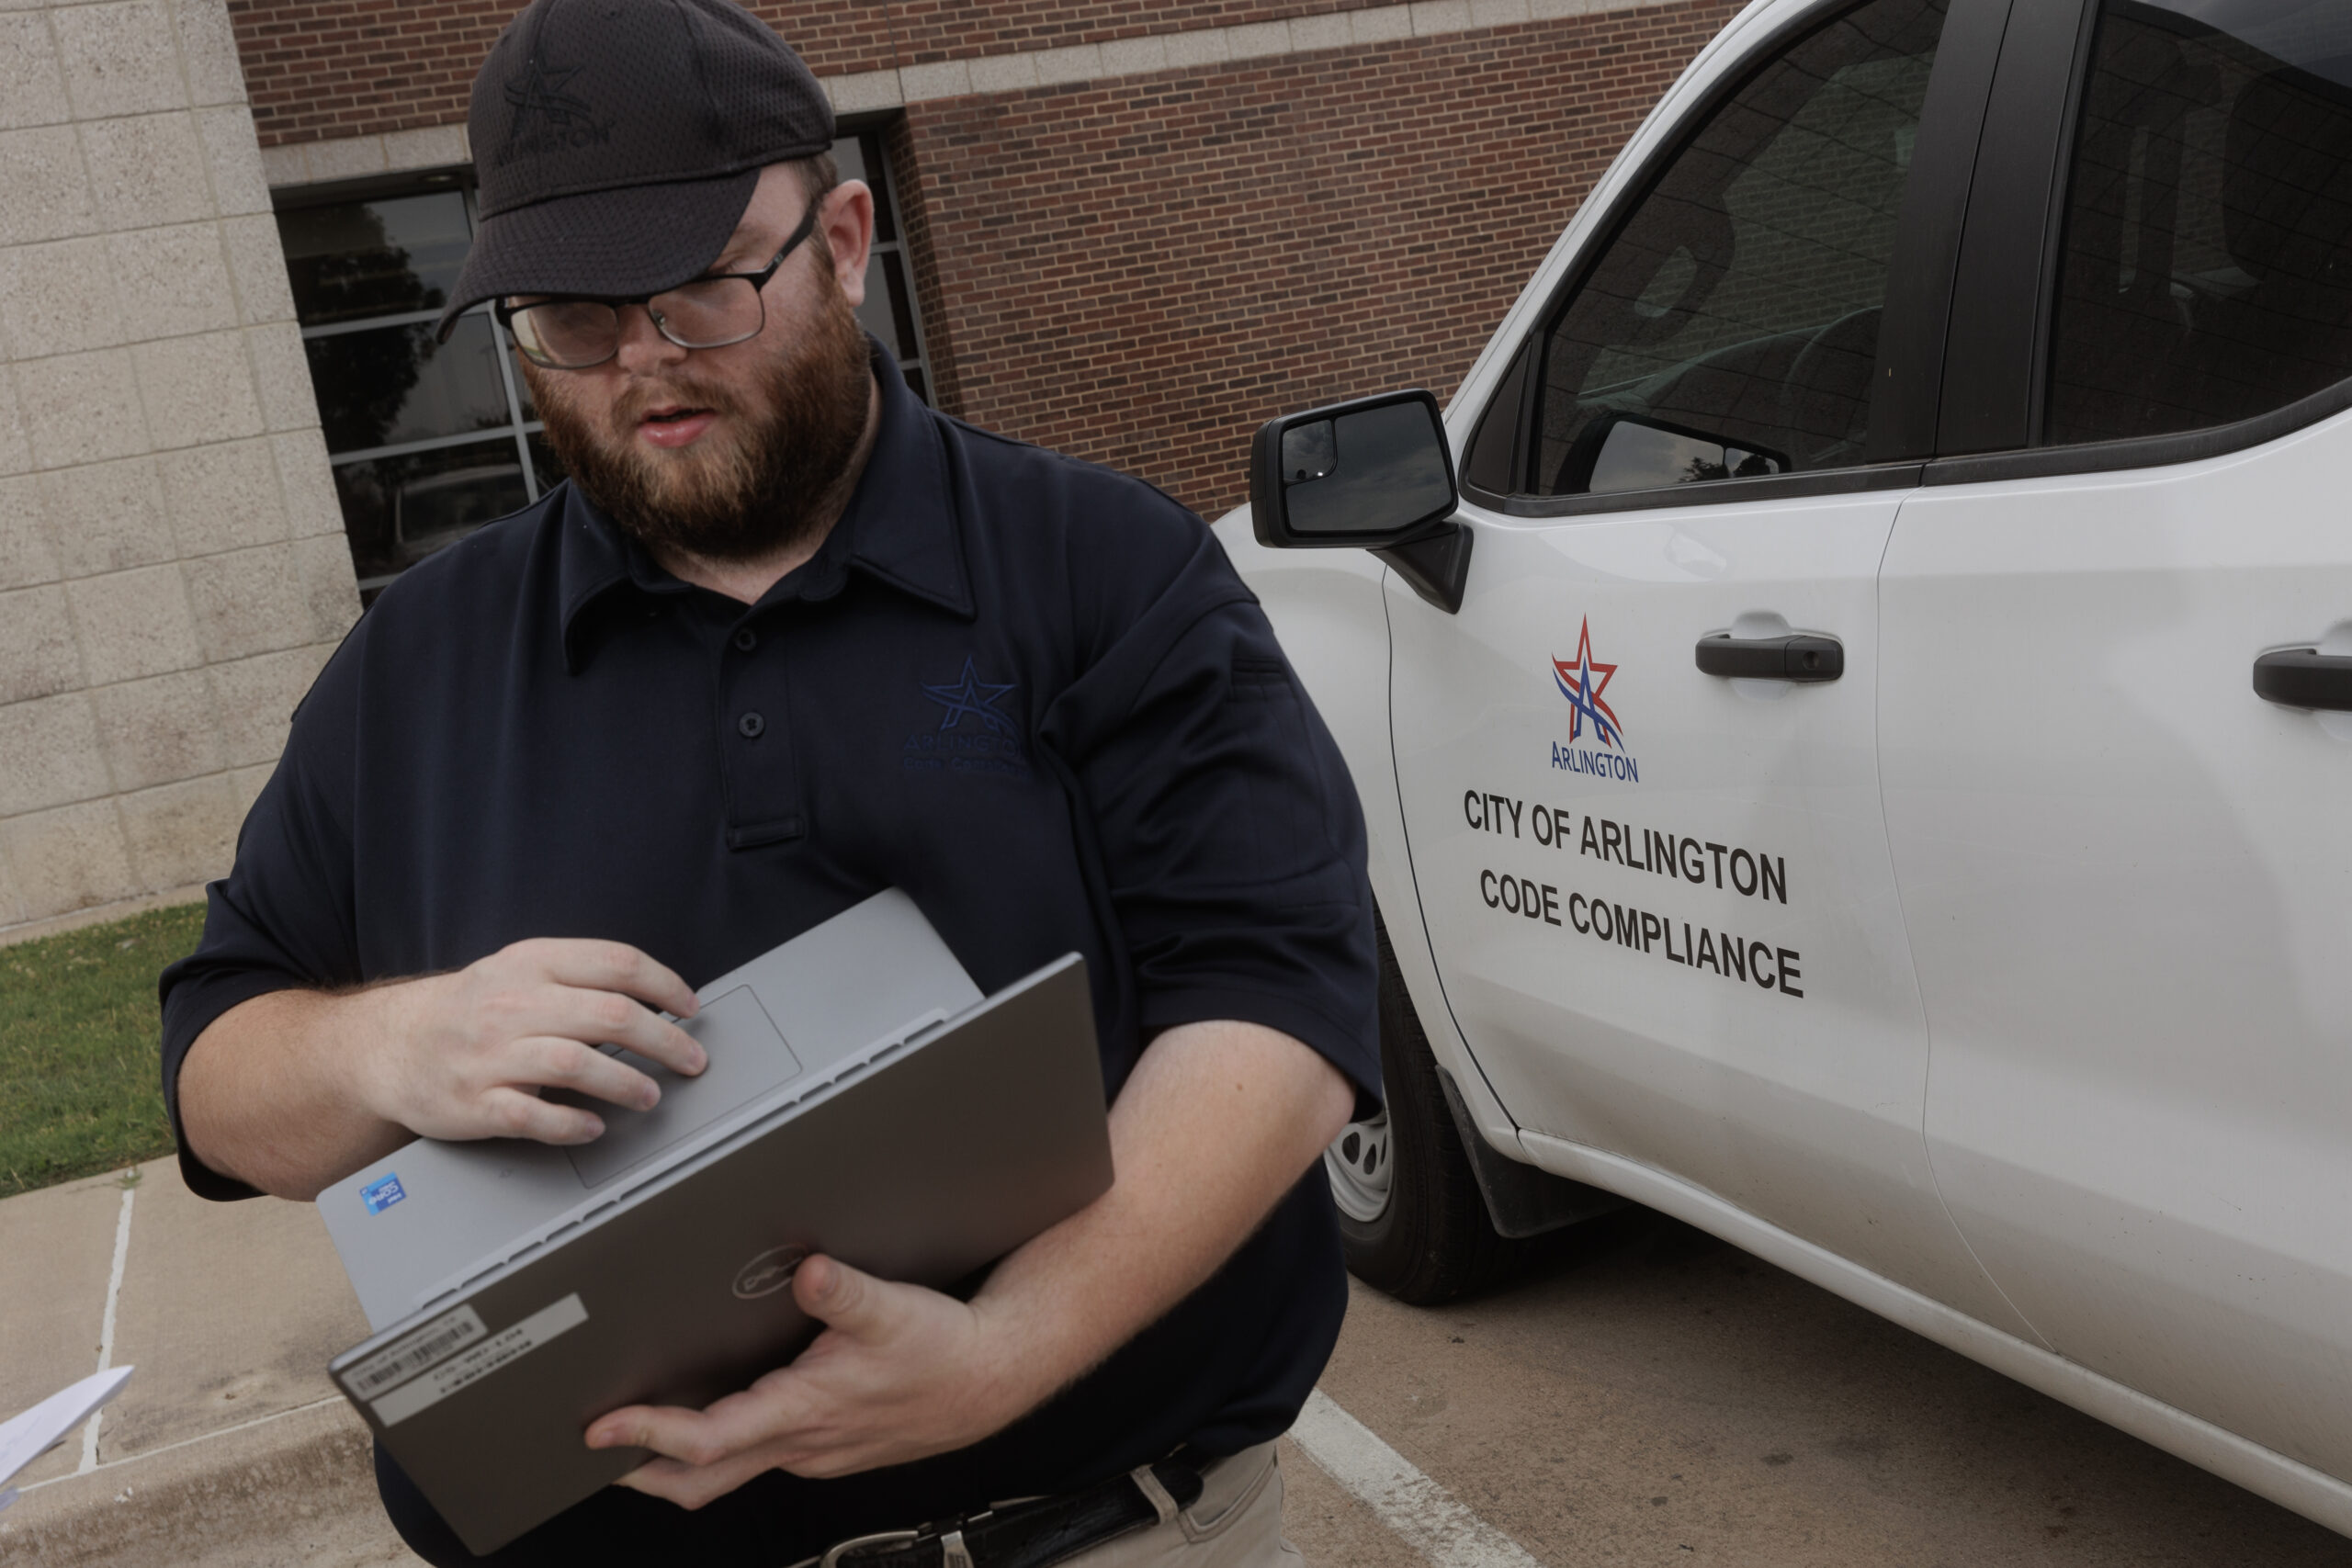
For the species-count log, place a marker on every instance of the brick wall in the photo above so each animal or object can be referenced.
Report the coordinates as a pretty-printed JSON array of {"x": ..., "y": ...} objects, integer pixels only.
[
  {"x": 1140, "y": 272},
  {"x": 337, "y": 68},
  {"x": 1141, "y": 269}
]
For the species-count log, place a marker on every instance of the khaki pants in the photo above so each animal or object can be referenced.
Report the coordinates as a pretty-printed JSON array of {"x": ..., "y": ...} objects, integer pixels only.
[{"x": 1237, "y": 1523}]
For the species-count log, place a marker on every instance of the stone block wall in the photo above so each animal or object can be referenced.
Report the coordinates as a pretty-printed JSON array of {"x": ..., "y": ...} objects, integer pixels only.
[{"x": 173, "y": 570}]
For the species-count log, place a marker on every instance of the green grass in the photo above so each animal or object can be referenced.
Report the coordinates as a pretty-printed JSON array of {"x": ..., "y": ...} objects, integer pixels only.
[{"x": 80, "y": 1089}]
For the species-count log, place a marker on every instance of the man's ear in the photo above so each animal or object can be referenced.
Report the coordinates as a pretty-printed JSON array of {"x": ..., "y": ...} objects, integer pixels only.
[{"x": 847, "y": 222}]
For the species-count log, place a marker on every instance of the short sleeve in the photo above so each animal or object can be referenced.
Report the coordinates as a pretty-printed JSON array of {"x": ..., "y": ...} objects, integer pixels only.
[
  {"x": 1228, "y": 830},
  {"x": 283, "y": 917}
]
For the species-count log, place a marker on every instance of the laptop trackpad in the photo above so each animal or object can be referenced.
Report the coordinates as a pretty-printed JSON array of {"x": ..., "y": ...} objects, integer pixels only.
[{"x": 748, "y": 1057}]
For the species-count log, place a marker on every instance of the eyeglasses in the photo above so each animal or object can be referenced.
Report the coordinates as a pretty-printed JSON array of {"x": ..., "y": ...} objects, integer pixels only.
[{"x": 573, "y": 333}]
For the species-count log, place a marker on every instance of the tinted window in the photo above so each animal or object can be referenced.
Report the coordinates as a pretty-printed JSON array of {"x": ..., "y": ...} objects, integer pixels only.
[
  {"x": 428, "y": 440},
  {"x": 372, "y": 258},
  {"x": 2207, "y": 264},
  {"x": 1730, "y": 328}
]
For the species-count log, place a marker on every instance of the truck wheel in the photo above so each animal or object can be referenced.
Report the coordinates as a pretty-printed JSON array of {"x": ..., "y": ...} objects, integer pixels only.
[{"x": 1410, "y": 1215}]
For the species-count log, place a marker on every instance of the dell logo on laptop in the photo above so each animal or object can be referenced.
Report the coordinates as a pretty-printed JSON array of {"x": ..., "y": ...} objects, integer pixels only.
[{"x": 769, "y": 1272}]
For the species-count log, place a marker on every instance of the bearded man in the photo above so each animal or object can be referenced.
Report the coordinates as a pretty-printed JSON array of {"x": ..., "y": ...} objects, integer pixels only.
[{"x": 785, "y": 638}]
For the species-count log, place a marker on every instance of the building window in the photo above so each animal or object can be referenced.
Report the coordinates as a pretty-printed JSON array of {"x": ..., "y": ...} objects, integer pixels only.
[
  {"x": 891, "y": 312},
  {"x": 429, "y": 441}
]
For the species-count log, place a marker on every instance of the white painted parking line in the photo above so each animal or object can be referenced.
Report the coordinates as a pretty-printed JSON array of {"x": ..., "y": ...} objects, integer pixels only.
[
  {"x": 1420, "y": 1511},
  {"x": 106, "y": 1323}
]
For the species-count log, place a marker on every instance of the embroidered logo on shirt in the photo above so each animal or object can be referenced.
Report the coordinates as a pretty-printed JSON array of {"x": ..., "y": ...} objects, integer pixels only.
[{"x": 975, "y": 733}]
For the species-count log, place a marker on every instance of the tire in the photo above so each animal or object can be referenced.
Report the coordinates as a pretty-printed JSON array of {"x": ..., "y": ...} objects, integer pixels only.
[{"x": 1411, "y": 1217}]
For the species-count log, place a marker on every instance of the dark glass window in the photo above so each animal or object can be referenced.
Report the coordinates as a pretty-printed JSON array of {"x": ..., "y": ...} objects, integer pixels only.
[
  {"x": 2206, "y": 273},
  {"x": 889, "y": 311},
  {"x": 1730, "y": 327},
  {"x": 429, "y": 441},
  {"x": 354, "y": 259}
]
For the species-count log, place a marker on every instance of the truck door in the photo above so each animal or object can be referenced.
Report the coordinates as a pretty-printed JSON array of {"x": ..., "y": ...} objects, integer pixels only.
[
  {"x": 2128, "y": 876},
  {"x": 1645, "y": 822}
]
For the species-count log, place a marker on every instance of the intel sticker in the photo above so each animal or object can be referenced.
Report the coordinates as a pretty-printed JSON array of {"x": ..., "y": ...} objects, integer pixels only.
[{"x": 381, "y": 1195}]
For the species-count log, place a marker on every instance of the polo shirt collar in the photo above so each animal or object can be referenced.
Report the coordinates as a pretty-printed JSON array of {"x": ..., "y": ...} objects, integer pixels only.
[{"x": 902, "y": 527}]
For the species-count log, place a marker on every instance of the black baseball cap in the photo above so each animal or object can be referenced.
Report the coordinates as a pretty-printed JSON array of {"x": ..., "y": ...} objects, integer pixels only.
[{"x": 618, "y": 143}]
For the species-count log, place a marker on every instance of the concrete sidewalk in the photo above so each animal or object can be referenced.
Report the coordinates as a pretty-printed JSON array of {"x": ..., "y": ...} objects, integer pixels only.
[{"x": 228, "y": 1445}]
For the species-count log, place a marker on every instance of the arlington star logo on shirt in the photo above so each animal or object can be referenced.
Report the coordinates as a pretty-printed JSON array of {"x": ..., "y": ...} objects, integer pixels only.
[
  {"x": 975, "y": 733},
  {"x": 1582, "y": 680}
]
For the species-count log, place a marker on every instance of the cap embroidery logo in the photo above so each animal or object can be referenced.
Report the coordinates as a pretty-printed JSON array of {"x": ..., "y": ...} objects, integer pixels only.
[
  {"x": 547, "y": 117},
  {"x": 975, "y": 735}
]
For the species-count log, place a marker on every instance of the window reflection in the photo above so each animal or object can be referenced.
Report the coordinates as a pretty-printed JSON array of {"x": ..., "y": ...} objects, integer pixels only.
[
  {"x": 1738, "y": 308},
  {"x": 398, "y": 510},
  {"x": 373, "y": 258},
  {"x": 389, "y": 385}
]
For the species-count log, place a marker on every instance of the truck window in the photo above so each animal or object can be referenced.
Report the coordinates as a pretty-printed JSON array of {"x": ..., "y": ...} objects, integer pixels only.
[
  {"x": 1730, "y": 327},
  {"x": 2205, "y": 271}
]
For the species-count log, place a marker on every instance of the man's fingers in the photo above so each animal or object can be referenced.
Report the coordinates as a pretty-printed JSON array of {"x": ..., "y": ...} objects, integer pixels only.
[
  {"x": 686, "y": 1436},
  {"x": 691, "y": 1485},
  {"x": 840, "y": 1297},
  {"x": 611, "y": 966},
  {"x": 513, "y": 1114},
  {"x": 734, "y": 1426},
  {"x": 557, "y": 1062},
  {"x": 607, "y": 1018}
]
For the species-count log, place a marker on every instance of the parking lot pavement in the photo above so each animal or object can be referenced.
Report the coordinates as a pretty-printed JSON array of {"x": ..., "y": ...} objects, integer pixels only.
[{"x": 1653, "y": 1395}]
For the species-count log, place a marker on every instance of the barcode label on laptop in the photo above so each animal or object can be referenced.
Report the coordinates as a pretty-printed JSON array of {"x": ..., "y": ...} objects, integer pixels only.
[
  {"x": 478, "y": 1360},
  {"x": 436, "y": 1341}
]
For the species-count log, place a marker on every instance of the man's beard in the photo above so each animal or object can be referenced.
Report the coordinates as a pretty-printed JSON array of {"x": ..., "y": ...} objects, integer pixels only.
[{"x": 735, "y": 501}]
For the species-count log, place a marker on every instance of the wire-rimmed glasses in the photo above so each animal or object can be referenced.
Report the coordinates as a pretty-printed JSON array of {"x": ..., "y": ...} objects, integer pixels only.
[{"x": 576, "y": 332}]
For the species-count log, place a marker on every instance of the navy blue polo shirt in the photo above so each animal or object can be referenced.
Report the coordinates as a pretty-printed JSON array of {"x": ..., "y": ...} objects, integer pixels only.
[{"x": 1029, "y": 691}]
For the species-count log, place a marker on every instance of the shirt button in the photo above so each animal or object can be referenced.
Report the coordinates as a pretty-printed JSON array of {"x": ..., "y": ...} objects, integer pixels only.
[
  {"x": 750, "y": 726},
  {"x": 746, "y": 640}
]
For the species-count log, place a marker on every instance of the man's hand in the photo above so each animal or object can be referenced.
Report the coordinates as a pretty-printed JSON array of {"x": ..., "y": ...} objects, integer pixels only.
[
  {"x": 899, "y": 1373},
  {"x": 1215, "y": 1124},
  {"x": 468, "y": 1052},
  {"x": 296, "y": 1090}
]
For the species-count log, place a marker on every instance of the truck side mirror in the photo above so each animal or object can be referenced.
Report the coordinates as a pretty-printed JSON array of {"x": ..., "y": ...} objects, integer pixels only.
[{"x": 1375, "y": 473}]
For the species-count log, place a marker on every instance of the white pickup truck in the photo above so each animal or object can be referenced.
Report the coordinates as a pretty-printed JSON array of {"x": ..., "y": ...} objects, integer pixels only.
[{"x": 1854, "y": 702}]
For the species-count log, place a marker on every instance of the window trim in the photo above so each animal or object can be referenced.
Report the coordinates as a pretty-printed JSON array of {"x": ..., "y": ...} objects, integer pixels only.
[
  {"x": 2141, "y": 451},
  {"x": 1850, "y": 480},
  {"x": 873, "y": 133},
  {"x": 1963, "y": 106}
]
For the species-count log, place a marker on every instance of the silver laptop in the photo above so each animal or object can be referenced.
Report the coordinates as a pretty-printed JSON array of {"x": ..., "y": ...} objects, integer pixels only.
[{"x": 862, "y": 1099}]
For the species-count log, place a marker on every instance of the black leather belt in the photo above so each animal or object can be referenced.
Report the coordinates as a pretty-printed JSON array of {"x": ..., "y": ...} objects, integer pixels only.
[{"x": 1032, "y": 1534}]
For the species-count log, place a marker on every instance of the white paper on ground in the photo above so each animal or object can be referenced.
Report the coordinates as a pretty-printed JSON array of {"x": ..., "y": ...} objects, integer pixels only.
[{"x": 24, "y": 1438}]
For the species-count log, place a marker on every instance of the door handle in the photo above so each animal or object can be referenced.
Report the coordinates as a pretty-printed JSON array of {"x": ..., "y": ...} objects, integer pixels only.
[
  {"x": 2304, "y": 678},
  {"x": 1803, "y": 659}
]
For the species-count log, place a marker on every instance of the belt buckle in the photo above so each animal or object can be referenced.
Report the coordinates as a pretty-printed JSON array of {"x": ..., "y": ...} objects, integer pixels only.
[{"x": 833, "y": 1557}]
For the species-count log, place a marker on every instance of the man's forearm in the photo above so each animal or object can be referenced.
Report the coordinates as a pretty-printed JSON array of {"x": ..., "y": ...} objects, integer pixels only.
[
  {"x": 1215, "y": 1123},
  {"x": 296, "y": 1090},
  {"x": 266, "y": 1095}
]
